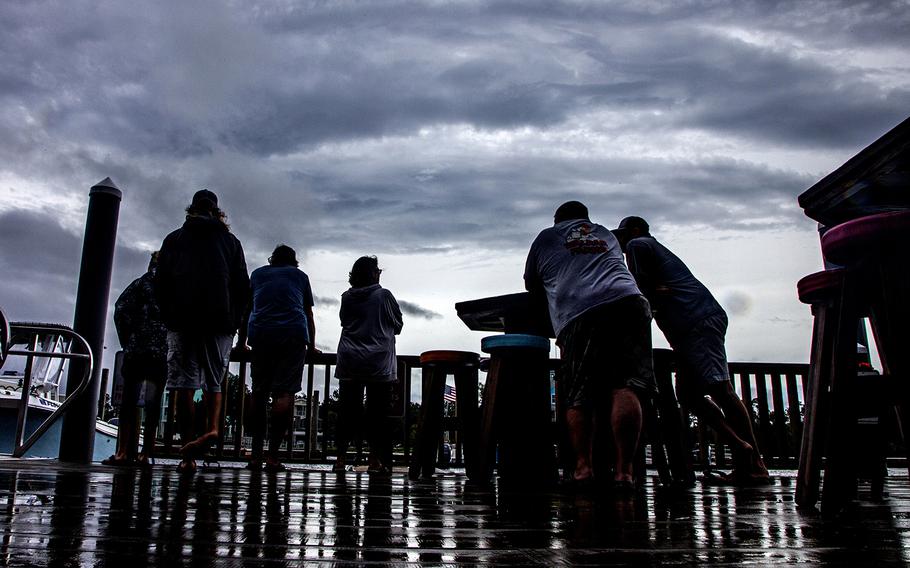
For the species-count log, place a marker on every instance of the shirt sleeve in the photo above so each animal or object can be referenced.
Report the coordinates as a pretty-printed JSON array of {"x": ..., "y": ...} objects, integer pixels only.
[
  {"x": 640, "y": 259},
  {"x": 307, "y": 292},
  {"x": 532, "y": 279},
  {"x": 124, "y": 314},
  {"x": 393, "y": 310}
]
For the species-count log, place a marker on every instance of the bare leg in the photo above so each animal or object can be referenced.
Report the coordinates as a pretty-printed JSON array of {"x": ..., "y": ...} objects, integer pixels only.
[
  {"x": 282, "y": 412},
  {"x": 709, "y": 411},
  {"x": 258, "y": 403},
  {"x": 578, "y": 425},
  {"x": 737, "y": 418},
  {"x": 186, "y": 413},
  {"x": 129, "y": 435},
  {"x": 626, "y": 420},
  {"x": 213, "y": 401}
]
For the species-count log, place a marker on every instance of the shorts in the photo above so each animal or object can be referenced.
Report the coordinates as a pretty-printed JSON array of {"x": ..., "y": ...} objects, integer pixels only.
[
  {"x": 607, "y": 348},
  {"x": 197, "y": 361},
  {"x": 701, "y": 359},
  {"x": 277, "y": 366}
]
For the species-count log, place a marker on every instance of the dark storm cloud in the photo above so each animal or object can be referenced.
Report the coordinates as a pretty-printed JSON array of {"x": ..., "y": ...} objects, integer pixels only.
[
  {"x": 359, "y": 126},
  {"x": 185, "y": 81},
  {"x": 40, "y": 260},
  {"x": 417, "y": 311},
  {"x": 407, "y": 308}
]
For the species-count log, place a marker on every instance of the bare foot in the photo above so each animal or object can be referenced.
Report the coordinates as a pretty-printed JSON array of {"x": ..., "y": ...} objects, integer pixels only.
[
  {"x": 186, "y": 466},
  {"x": 199, "y": 445},
  {"x": 583, "y": 473}
]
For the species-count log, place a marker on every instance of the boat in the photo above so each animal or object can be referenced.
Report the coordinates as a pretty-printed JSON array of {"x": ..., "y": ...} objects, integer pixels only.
[{"x": 44, "y": 396}]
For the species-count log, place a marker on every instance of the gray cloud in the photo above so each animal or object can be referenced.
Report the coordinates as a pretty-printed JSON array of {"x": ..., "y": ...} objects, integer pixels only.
[
  {"x": 326, "y": 301},
  {"x": 423, "y": 127},
  {"x": 737, "y": 303},
  {"x": 417, "y": 311}
]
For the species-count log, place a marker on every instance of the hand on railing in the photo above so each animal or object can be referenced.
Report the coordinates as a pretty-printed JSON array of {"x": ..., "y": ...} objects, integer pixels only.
[{"x": 240, "y": 352}]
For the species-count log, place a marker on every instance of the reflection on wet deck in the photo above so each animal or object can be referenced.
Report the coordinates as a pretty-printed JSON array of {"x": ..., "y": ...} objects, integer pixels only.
[{"x": 93, "y": 516}]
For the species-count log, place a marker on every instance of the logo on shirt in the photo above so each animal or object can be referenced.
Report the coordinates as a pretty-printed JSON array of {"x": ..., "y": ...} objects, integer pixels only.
[{"x": 583, "y": 241}]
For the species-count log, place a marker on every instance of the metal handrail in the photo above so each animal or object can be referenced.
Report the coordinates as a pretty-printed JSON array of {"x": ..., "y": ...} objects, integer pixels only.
[
  {"x": 4, "y": 337},
  {"x": 34, "y": 329}
]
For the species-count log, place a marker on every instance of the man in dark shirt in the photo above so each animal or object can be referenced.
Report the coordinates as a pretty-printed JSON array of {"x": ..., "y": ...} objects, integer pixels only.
[
  {"x": 695, "y": 326},
  {"x": 203, "y": 289}
]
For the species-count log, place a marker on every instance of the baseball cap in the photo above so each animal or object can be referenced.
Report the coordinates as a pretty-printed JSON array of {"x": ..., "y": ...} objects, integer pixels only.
[
  {"x": 632, "y": 222},
  {"x": 203, "y": 195}
]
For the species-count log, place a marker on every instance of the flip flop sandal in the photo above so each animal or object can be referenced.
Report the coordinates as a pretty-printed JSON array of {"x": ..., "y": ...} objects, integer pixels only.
[{"x": 118, "y": 462}]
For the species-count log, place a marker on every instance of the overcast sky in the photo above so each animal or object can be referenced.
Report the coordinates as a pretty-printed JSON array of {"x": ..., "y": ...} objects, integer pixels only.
[{"x": 441, "y": 136}]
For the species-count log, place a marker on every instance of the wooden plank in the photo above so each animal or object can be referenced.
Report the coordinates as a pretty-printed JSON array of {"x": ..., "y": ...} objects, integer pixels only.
[
  {"x": 765, "y": 433},
  {"x": 796, "y": 421},
  {"x": 784, "y": 453}
]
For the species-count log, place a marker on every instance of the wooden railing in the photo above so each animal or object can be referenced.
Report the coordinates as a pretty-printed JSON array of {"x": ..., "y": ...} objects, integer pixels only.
[{"x": 773, "y": 393}]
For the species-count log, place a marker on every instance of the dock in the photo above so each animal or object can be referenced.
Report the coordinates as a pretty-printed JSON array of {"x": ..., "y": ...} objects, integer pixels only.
[{"x": 56, "y": 514}]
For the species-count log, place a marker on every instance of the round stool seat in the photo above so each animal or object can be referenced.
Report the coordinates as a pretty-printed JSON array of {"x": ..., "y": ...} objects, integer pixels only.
[
  {"x": 819, "y": 286},
  {"x": 466, "y": 358},
  {"x": 854, "y": 240},
  {"x": 514, "y": 341}
]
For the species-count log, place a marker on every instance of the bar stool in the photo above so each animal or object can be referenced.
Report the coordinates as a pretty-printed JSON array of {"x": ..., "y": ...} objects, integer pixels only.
[
  {"x": 437, "y": 365},
  {"x": 875, "y": 283},
  {"x": 516, "y": 411},
  {"x": 822, "y": 291}
]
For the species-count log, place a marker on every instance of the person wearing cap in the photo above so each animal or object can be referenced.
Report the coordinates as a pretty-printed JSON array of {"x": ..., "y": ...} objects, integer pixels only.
[
  {"x": 603, "y": 325},
  {"x": 281, "y": 328},
  {"x": 695, "y": 326},
  {"x": 203, "y": 289}
]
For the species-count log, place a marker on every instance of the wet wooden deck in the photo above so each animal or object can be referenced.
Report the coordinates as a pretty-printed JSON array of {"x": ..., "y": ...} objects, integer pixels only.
[{"x": 61, "y": 515}]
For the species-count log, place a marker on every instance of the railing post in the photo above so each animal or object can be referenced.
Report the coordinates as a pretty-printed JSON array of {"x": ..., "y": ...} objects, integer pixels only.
[
  {"x": 77, "y": 436},
  {"x": 26, "y": 390},
  {"x": 103, "y": 393},
  {"x": 310, "y": 435}
]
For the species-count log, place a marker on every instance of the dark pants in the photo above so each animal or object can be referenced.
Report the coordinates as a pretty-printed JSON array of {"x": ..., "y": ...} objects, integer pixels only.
[{"x": 376, "y": 424}]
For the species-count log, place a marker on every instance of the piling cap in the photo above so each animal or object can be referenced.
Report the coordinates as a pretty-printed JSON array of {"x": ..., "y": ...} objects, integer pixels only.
[{"x": 107, "y": 186}]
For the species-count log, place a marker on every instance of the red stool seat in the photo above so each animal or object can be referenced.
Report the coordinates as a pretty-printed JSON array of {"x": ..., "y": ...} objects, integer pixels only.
[
  {"x": 820, "y": 286},
  {"x": 860, "y": 238},
  {"x": 449, "y": 357}
]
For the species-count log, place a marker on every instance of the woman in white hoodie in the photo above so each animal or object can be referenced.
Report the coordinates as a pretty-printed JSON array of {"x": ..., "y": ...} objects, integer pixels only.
[{"x": 370, "y": 320}]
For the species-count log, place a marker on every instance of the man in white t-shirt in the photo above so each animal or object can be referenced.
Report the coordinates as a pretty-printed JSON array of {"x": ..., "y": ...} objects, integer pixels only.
[{"x": 603, "y": 326}]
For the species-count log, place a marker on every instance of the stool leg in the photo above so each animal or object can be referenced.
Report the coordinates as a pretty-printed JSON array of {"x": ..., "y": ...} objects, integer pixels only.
[
  {"x": 487, "y": 450},
  {"x": 466, "y": 399},
  {"x": 840, "y": 473},
  {"x": 890, "y": 314},
  {"x": 658, "y": 445},
  {"x": 670, "y": 425},
  {"x": 429, "y": 426},
  {"x": 816, "y": 406}
]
